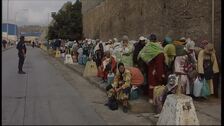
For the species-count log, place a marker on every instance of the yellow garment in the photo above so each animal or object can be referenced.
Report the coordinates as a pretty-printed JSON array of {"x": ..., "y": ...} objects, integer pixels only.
[
  {"x": 201, "y": 56},
  {"x": 126, "y": 77},
  {"x": 170, "y": 49},
  {"x": 169, "y": 53}
]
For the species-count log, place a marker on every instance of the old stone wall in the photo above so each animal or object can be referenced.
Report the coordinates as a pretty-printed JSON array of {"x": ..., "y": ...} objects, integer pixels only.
[{"x": 175, "y": 18}]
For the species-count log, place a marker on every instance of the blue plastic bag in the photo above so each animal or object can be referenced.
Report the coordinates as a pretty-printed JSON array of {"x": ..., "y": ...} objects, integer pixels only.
[
  {"x": 205, "y": 92},
  {"x": 84, "y": 59},
  {"x": 197, "y": 87}
]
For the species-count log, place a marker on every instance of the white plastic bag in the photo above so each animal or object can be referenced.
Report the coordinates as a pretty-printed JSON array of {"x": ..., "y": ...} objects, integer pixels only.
[{"x": 197, "y": 87}]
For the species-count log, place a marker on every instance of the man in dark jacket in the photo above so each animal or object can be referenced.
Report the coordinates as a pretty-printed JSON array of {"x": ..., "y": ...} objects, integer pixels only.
[{"x": 22, "y": 54}]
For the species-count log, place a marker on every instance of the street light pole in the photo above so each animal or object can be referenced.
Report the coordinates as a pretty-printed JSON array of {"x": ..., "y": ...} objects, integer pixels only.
[{"x": 7, "y": 18}]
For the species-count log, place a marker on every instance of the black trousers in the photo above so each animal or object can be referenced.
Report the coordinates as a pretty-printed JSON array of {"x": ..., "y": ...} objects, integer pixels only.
[{"x": 21, "y": 62}]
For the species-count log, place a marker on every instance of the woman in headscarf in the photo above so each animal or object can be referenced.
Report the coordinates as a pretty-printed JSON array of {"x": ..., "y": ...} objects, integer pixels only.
[
  {"x": 120, "y": 88},
  {"x": 181, "y": 66},
  {"x": 153, "y": 55},
  {"x": 99, "y": 56},
  {"x": 140, "y": 63},
  {"x": 169, "y": 53},
  {"x": 126, "y": 52},
  {"x": 192, "y": 63},
  {"x": 108, "y": 64},
  {"x": 208, "y": 66}
]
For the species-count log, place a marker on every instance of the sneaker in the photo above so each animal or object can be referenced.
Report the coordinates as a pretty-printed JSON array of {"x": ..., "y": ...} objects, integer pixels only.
[{"x": 125, "y": 109}]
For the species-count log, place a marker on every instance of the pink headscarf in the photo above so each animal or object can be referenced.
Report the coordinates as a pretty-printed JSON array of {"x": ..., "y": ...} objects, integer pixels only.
[{"x": 203, "y": 44}]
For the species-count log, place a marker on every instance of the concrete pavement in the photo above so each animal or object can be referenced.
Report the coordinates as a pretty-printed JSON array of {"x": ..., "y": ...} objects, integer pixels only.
[{"x": 41, "y": 97}]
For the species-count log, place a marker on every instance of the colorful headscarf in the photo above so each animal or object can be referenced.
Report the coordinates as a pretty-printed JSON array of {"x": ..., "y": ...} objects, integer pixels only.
[
  {"x": 168, "y": 40},
  {"x": 150, "y": 51}
]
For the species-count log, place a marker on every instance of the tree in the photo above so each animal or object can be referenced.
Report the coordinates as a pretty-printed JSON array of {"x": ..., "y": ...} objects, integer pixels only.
[{"x": 67, "y": 23}]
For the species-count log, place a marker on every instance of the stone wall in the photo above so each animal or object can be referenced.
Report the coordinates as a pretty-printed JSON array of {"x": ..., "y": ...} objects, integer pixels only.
[{"x": 175, "y": 18}]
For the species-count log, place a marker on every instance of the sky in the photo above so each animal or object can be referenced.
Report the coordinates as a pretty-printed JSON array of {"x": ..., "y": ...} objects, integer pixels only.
[{"x": 31, "y": 12}]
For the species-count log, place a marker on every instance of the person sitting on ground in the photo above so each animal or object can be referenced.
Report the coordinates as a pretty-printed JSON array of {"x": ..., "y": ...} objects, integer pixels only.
[
  {"x": 140, "y": 63},
  {"x": 108, "y": 64},
  {"x": 120, "y": 88},
  {"x": 170, "y": 88}
]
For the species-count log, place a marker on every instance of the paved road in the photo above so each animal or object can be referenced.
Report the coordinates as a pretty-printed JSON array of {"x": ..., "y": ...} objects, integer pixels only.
[{"x": 42, "y": 96}]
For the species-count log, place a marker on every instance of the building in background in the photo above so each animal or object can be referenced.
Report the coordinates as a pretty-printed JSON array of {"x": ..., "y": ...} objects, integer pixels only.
[{"x": 12, "y": 33}]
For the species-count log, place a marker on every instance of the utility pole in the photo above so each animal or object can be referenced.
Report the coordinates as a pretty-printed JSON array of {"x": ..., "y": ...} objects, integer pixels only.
[{"x": 7, "y": 19}]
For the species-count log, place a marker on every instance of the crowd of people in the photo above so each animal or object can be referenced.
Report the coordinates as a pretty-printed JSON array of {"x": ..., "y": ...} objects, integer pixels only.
[{"x": 147, "y": 64}]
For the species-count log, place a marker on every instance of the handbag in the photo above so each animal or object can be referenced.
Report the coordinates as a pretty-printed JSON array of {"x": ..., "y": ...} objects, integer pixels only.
[
  {"x": 197, "y": 87},
  {"x": 205, "y": 89},
  {"x": 112, "y": 103}
]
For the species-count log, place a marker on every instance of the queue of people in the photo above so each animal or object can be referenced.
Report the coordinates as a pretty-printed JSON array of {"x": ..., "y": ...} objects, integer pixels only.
[{"x": 152, "y": 64}]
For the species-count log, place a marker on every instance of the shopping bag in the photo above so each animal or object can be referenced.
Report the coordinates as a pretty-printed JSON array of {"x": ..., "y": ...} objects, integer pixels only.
[
  {"x": 90, "y": 69},
  {"x": 205, "y": 89},
  {"x": 110, "y": 78},
  {"x": 80, "y": 60},
  {"x": 134, "y": 93},
  {"x": 84, "y": 59},
  {"x": 197, "y": 87}
]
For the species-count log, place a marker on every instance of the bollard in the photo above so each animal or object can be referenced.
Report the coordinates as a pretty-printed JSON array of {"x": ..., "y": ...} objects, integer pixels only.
[
  {"x": 68, "y": 59},
  {"x": 58, "y": 54},
  {"x": 178, "y": 109}
]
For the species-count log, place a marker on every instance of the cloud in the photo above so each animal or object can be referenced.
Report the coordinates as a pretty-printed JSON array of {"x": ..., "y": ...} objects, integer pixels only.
[{"x": 37, "y": 11}]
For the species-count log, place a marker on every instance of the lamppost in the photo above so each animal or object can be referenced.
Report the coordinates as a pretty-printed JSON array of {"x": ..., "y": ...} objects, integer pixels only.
[
  {"x": 15, "y": 19},
  {"x": 7, "y": 18}
]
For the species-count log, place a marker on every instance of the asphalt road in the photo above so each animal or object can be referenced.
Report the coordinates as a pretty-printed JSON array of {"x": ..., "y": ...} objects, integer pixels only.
[{"x": 42, "y": 96}]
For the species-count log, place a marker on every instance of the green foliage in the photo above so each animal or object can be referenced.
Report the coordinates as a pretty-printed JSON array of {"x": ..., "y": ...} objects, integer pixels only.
[{"x": 67, "y": 22}]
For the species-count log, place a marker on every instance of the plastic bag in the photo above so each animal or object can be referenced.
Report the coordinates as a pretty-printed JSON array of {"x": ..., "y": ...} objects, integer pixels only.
[
  {"x": 205, "y": 89},
  {"x": 134, "y": 94},
  {"x": 84, "y": 59},
  {"x": 197, "y": 87}
]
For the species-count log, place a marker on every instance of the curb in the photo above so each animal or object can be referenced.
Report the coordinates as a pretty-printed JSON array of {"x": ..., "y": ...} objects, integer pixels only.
[{"x": 7, "y": 49}]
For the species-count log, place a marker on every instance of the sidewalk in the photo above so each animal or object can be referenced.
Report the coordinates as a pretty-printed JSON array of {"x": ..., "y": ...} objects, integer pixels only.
[{"x": 208, "y": 111}]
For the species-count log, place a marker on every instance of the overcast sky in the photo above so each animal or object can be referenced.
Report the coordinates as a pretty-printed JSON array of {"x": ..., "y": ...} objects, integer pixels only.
[{"x": 31, "y": 12}]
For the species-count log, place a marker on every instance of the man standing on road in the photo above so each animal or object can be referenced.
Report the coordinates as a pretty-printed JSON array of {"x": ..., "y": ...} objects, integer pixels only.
[
  {"x": 22, "y": 54},
  {"x": 4, "y": 42}
]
